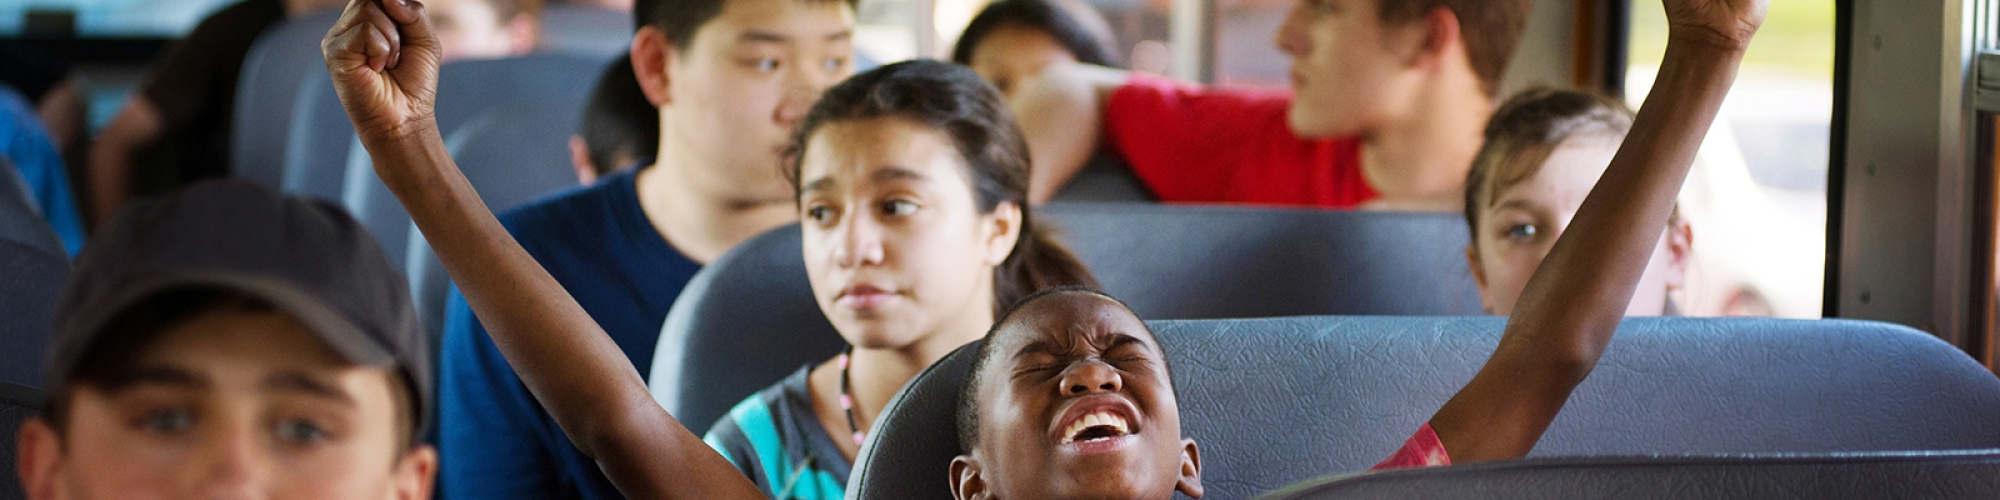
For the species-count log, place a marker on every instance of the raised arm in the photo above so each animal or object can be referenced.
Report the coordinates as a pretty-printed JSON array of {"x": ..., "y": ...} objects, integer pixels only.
[
  {"x": 384, "y": 62},
  {"x": 1575, "y": 300},
  {"x": 1061, "y": 113}
]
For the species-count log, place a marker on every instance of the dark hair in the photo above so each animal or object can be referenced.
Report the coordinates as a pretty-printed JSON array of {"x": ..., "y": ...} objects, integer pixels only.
[
  {"x": 1525, "y": 131},
  {"x": 679, "y": 19},
  {"x": 1490, "y": 28},
  {"x": 619, "y": 119},
  {"x": 1078, "y": 28},
  {"x": 968, "y": 392},
  {"x": 107, "y": 363},
  {"x": 952, "y": 99}
]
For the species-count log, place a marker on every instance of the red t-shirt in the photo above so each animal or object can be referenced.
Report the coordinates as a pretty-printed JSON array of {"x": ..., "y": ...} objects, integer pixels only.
[
  {"x": 1422, "y": 450},
  {"x": 1194, "y": 144}
]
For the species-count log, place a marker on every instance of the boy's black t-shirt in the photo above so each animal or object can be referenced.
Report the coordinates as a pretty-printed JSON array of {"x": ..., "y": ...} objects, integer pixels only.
[{"x": 193, "y": 85}]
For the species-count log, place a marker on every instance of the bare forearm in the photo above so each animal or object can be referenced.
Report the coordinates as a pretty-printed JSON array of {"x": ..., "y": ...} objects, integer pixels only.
[
  {"x": 567, "y": 362},
  {"x": 1061, "y": 115},
  {"x": 136, "y": 127},
  {"x": 1576, "y": 299}
]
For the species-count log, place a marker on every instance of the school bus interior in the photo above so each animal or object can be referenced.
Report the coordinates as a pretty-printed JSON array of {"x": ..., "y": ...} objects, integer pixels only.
[{"x": 1838, "y": 324}]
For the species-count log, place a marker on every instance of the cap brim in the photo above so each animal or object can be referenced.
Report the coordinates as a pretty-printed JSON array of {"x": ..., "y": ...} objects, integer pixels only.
[{"x": 328, "y": 325}]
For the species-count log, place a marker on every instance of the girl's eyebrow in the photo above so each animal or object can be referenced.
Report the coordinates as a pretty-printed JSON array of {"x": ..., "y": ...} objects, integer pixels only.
[{"x": 894, "y": 173}]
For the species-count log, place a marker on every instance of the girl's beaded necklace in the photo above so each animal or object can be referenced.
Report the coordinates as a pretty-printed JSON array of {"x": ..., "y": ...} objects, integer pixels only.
[{"x": 847, "y": 396}]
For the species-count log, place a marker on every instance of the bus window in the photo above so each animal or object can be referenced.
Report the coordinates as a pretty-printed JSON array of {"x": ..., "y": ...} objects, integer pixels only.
[
  {"x": 1757, "y": 196},
  {"x": 104, "y": 19}
]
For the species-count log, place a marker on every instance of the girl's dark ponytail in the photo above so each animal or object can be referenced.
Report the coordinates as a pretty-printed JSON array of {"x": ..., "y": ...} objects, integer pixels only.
[{"x": 1039, "y": 262}]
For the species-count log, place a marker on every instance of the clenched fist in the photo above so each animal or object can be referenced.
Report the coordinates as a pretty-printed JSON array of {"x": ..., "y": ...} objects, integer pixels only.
[{"x": 384, "y": 62}]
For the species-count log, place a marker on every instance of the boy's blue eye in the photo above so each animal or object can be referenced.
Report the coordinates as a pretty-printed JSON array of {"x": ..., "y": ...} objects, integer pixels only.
[
  {"x": 766, "y": 64},
  {"x": 167, "y": 421},
  {"x": 835, "y": 64},
  {"x": 300, "y": 431},
  {"x": 1521, "y": 232}
]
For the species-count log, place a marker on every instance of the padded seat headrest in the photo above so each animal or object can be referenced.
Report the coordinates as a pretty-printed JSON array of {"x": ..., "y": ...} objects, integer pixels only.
[
  {"x": 1276, "y": 401},
  {"x": 1929, "y": 475}
]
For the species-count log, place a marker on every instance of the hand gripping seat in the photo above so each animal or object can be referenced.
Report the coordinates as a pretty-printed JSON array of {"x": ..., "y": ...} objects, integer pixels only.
[
  {"x": 1929, "y": 475},
  {"x": 1276, "y": 401}
]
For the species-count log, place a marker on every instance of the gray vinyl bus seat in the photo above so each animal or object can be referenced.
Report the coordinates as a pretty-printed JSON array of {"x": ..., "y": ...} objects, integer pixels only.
[
  {"x": 274, "y": 75},
  {"x": 1210, "y": 262},
  {"x": 716, "y": 346},
  {"x": 499, "y": 91},
  {"x": 585, "y": 30},
  {"x": 1930, "y": 475},
  {"x": 33, "y": 266},
  {"x": 317, "y": 143},
  {"x": 18, "y": 403},
  {"x": 1105, "y": 179},
  {"x": 1276, "y": 401},
  {"x": 1167, "y": 261},
  {"x": 21, "y": 218},
  {"x": 34, "y": 279}
]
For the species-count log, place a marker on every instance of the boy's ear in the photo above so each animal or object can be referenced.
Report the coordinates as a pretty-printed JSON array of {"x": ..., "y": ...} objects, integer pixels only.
[
  {"x": 1190, "y": 483},
  {"x": 1680, "y": 249},
  {"x": 1478, "y": 276},
  {"x": 1442, "y": 35},
  {"x": 1005, "y": 230},
  {"x": 652, "y": 60},
  {"x": 579, "y": 159},
  {"x": 966, "y": 482},
  {"x": 38, "y": 459},
  {"x": 416, "y": 472}
]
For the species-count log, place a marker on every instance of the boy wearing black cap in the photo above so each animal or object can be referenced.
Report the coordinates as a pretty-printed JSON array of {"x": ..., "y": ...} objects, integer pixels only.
[{"x": 229, "y": 342}]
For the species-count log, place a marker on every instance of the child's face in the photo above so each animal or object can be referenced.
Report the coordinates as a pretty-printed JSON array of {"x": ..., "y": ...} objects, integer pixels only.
[
  {"x": 1013, "y": 53},
  {"x": 894, "y": 242},
  {"x": 472, "y": 29},
  {"x": 729, "y": 101},
  {"x": 1350, "y": 71},
  {"x": 234, "y": 404},
  {"x": 1076, "y": 402},
  {"x": 1520, "y": 225}
]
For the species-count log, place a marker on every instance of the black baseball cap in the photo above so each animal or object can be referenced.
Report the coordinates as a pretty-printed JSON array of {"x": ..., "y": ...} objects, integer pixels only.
[{"x": 309, "y": 259}]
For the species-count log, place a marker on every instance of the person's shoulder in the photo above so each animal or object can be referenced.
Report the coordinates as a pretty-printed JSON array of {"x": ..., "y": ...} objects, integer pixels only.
[{"x": 570, "y": 209}]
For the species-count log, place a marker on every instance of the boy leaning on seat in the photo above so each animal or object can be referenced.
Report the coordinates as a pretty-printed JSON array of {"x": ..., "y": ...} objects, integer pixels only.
[{"x": 383, "y": 59}]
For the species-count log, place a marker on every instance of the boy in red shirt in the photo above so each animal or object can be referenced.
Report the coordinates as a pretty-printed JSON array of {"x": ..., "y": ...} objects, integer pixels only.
[{"x": 1388, "y": 101}]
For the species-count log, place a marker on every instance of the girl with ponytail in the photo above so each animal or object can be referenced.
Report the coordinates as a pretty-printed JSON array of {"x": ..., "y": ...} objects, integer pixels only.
[{"x": 912, "y": 187}]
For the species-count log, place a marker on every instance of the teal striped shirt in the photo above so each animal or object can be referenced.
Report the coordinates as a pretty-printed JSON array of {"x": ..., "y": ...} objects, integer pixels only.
[{"x": 775, "y": 438}]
